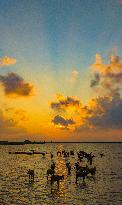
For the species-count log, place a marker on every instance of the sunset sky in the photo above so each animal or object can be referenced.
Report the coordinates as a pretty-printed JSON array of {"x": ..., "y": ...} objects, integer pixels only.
[{"x": 61, "y": 70}]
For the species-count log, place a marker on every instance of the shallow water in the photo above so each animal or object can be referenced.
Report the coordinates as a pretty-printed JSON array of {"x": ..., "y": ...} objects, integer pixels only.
[{"x": 105, "y": 189}]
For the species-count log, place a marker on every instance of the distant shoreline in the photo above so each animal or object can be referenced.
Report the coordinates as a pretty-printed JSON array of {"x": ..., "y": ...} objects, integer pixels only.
[{"x": 49, "y": 142}]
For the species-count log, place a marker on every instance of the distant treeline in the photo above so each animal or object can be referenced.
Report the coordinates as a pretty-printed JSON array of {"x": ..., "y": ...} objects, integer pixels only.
[
  {"x": 20, "y": 143},
  {"x": 42, "y": 142}
]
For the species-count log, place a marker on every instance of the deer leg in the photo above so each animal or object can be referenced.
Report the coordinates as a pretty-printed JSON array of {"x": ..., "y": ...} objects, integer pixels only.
[
  {"x": 51, "y": 183},
  {"x": 58, "y": 183},
  {"x": 83, "y": 178},
  {"x": 29, "y": 178}
]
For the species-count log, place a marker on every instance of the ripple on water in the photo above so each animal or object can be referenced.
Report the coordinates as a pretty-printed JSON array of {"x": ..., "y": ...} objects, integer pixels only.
[{"x": 104, "y": 189}]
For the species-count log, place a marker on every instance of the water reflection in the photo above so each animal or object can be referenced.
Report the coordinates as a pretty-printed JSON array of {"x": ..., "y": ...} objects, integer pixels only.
[{"x": 103, "y": 189}]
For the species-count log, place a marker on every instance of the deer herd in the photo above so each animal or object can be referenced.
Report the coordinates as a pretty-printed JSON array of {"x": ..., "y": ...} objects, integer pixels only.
[{"x": 80, "y": 170}]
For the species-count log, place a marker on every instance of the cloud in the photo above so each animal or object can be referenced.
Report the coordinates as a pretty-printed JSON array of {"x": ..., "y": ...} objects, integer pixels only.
[
  {"x": 98, "y": 59},
  {"x": 8, "y": 127},
  {"x": 19, "y": 114},
  {"x": 64, "y": 103},
  {"x": 103, "y": 112},
  {"x": 71, "y": 107},
  {"x": 7, "y": 61},
  {"x": 107, "y": 114},
  {"x": 108, "y": 77},
  {"x": 96, "y": 80},
  {"x": 5, "y": 123},
  {"x": 22, "y": 114},
  {"x": 62, "y": 122},
  {"x": 14, "y": 84},
  {"x": 74, "y": 76}
]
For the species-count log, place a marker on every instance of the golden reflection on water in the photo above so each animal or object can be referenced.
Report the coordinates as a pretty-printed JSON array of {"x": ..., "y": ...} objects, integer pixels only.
[
  {"x": 61, "y": 170},
  {"x": 16, "y": 190}
]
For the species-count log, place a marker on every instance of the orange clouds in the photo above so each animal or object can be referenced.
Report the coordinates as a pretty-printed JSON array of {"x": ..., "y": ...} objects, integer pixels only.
[
  {"x": 72, "y": 110},
  {"x": 99, "y": 113},
  {"x": 18, "y": 114},
  {"x": 14, "y": 85},
  {"x": 62, "y": 123},
  {"x": 107, "y": 77},
  {"x": 64, "y": 103},
  {"x": 114, "y": 65},
  {"x": 7, "y": 61},
  {"x": 9, "y": 128},
  {"x": 12, "y": 120}
]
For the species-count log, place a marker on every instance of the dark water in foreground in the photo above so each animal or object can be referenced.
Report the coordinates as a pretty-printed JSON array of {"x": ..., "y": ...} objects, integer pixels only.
[{"x": 15, "y": 189}]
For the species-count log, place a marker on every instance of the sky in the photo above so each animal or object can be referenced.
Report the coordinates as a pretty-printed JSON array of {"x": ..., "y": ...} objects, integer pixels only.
[{"x": 61, "y": 70}]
